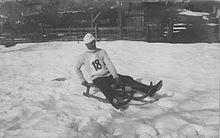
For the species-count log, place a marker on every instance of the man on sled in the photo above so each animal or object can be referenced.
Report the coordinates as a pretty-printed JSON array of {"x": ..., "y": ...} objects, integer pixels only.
[{"x": 105, "y": 77}]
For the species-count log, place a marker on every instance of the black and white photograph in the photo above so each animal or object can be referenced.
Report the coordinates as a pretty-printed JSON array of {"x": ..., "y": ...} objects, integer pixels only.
[{"x": 109, "y": 68}]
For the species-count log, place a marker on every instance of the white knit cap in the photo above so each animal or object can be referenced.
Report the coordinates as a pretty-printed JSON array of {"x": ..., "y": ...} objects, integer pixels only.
[{"x": 88, "y": 38}]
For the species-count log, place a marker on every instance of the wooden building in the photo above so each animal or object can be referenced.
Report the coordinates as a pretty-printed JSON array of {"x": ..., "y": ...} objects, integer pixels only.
[{"x": 149, "y": 20}]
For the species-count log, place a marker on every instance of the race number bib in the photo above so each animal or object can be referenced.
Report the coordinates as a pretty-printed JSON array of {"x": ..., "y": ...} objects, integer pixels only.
[{"x": 96, "y": 65}]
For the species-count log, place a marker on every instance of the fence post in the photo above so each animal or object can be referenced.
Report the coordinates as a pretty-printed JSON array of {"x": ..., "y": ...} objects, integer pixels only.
[
  {"x": 219, "y": 29},
  {"x": 70, "y": 33},
  {"x": 41, "y": 30},
  {"x": 1, "y": 26},
  {"x": 77, "y": 37},
  {"x": 149, "y": 33},
  {"x": 120, "y": 21},
  {"x": 170, "y": 29},
  {"x": 96, "y": 32}
]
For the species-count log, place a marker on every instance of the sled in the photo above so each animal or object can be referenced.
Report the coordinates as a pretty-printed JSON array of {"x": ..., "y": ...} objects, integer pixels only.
[{"x": 123, "y": 94}]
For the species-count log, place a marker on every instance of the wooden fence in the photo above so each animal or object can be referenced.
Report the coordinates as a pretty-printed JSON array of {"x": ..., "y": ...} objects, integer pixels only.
[{"x": 101, "y": 33}]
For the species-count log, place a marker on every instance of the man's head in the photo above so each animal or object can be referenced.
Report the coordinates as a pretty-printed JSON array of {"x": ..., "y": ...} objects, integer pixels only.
[{"x": 90, "y": 41}]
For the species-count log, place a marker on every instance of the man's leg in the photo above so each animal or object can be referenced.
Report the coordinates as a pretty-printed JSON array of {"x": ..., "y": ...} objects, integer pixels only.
[
  {"x": 104, "y": 84},
  {"x": 134, "y": 84},
  {"x": 151, "y": 89}
]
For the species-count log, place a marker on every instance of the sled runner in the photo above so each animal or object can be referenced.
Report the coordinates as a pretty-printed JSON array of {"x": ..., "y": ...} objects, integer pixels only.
[{"x": 125, "y": 93}]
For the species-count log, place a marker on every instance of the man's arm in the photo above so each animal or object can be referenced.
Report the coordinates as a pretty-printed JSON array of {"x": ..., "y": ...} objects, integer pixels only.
[
  {"x": 110, "y": 65},
  {"x": 78, "y": 71}
]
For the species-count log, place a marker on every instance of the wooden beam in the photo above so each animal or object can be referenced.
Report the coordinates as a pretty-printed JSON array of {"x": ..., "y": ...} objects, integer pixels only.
[{"x": 96, "y": 17}]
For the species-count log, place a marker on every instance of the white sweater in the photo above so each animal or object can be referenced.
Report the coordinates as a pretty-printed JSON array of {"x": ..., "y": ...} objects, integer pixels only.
[{"x": 96, "y": 63}]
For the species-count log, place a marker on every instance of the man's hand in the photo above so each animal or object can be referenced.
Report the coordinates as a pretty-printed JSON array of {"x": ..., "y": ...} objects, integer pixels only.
[
  {"x": 85, "y": 83},
  {"x": 118, "y": 81}
]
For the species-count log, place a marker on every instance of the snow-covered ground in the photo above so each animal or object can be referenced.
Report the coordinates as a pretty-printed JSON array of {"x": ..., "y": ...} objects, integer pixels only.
[{"x": 41, "y": 96}]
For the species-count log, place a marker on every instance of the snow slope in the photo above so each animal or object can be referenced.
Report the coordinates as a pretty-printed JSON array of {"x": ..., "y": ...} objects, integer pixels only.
[{"x": 41, "y": 96}]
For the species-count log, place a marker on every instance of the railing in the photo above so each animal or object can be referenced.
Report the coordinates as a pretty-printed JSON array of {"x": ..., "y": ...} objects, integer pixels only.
[{"x": 102, "y": 33}]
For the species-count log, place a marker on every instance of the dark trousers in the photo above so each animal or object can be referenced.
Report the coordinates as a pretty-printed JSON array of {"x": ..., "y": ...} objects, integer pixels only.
[{"x": 104, "y": 84}]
